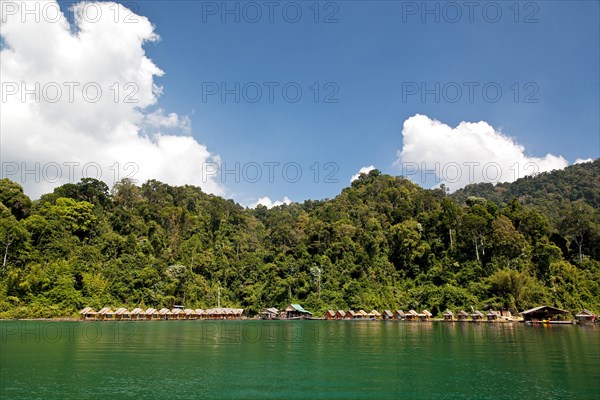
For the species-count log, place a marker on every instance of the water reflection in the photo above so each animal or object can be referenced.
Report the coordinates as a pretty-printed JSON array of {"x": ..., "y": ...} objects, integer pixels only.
[{"x": 297, "y": 359}]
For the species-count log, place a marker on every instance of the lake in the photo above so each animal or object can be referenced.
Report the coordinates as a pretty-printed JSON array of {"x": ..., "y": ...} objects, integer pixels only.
[{"x": 297, "y": 360}]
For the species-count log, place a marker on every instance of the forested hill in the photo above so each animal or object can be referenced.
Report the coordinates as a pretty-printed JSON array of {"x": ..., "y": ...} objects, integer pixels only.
[
  {"x": 546, "y": 190},
  {"x": 382, "y": 243}
]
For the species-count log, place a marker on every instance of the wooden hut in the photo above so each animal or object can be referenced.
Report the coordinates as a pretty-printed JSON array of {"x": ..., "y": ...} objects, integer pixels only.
[
  {"x": 350, "y": 314},
  {"x": 542, "y": 313},
  {"x": 105, "y": 313},
  {"x": 122, "y": 314},
  {"x": 492, "y": 315},
  {"x": 340, "y": 314},
  {"x": 224, "y": 313},
  {"x": 200, "y": 313},
  {"x": 165, "y": 313},
  {"x": 585, "y": 317},
  {"x": 425, "y": 315},
  {"x": 87, "y": 314},
  {"x": 477, "y": 315},
  {"x": 269, "y": 313},
  {"x": 137, "y": 314},
  {"x": 448, "y": 316},
  {"x": 361, "y": 314},
  {"x": 152, "y": 314},
  {"x": 190, "y": 314},
  {"x": 233, "y": 313},
  {"x": 296, "y": 311},
  {"x": 178, "y": 313},
  {"x": 399, "y": 314},
  {"x": 374, "y": 314},
  {"x": 463, "y": 315},
  {"x": 411, "y": 315},
  {"x": 387, "y": 314},
  {"x": 329, "y": 314}
]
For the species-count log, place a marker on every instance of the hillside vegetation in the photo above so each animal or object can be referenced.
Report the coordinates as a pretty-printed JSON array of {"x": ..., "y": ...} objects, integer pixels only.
[{"x": 382, "y": 243}]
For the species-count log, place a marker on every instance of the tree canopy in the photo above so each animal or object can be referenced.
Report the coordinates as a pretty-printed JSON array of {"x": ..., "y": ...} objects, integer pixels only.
[{"x": 383, "y": 242}]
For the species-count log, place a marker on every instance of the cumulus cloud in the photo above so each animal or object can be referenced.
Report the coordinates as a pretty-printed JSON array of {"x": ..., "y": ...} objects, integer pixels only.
[
  {"x": 363, "y": 170},
  {"x": 267, "y": 202},
  {"x": 159, "y": 120},
  {"x": 76, "y": 100},
  {"x": 583, "y": 160},
  {"x": 468, "y": 153}
]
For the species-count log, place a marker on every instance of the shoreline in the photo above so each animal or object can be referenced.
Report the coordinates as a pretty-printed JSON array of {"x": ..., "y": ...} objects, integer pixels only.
[{"x": 74, "y": 319}]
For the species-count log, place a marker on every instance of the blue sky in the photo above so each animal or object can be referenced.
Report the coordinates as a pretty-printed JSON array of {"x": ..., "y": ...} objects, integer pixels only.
[{"x": 372, "y": 59}]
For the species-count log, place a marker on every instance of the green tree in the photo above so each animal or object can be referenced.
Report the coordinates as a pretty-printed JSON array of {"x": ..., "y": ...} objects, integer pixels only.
[
  {"x": 12, "y": 233},
  {"x": 579, "y": 222},
  {"x": 13, "y": 198}
]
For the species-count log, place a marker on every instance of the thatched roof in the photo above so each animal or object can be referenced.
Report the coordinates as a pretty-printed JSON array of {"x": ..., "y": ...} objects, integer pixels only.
[
  {"x": 449, "y": 313},
  {"x": 330, "y": 312},
  {"x": 138, "y": 311},
  {"x": 200, "y": 311},
  {"x": 151, "y": 311},
  {"x": 351, "y": 313},
  {"x": 224, "y": 311},
  {"x": 463, "y": 313},
  {"x": 271, "y": 310},
  {"x": 585, "y": 313},
  {"x": 413, "y": 313},
  {"x": 176, "y": 311},
  {"x": 341, "y": 313},
  {"x": 165, "y": 311},
  {"x": 427, "y": 313},
  {"x": 400, "y": 313},
  {"x": 493, "y": 313},
  {"x": 87, "y": 310},
  {"x": 362, "y": 312},
  {"x": 477, "y": 313},
  {"x": 548, "y": 309},
  {"x": 388, "y": 313},
  {"x": 104, "y": 311},
  {"x": 375, "y": 313},
  {"x": 189, "y": 311}
]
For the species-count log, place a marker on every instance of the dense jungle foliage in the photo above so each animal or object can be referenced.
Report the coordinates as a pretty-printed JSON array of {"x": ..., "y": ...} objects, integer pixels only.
[{"x": 383, "y": 243}]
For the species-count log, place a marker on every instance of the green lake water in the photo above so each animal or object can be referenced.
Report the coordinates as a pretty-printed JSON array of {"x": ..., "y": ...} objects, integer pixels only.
[{"x": 297, "y": 360}]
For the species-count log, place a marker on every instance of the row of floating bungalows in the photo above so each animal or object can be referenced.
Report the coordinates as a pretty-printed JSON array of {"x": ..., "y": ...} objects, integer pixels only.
[
  {"x": 376, "y": 315},
  {"x": 152, "y": 314},
  {"x": 542, "y": 313},
  {"x": 411, "y": 315}
]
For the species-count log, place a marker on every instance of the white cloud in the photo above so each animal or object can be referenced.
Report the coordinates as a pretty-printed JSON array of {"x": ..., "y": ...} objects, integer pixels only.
[
  {"x": 363, "y": 170},
  {"x": 74, "y": 129},
  {"x": 158, "y": 120},
  {"x": 267, "y": 202},
  {"x": 469, "y": 153},
  {"x": 583, "y": 160}
]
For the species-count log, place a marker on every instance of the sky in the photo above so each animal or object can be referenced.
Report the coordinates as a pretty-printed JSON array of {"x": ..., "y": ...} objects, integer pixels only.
[{"x": 277, "y": 101}]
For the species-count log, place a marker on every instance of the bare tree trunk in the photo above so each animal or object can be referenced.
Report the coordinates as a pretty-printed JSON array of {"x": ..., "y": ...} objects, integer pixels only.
[{"x": 5, "y": 254}]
